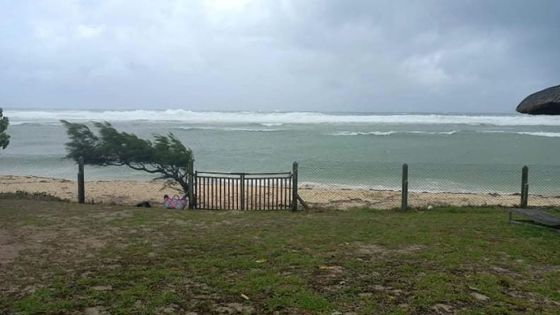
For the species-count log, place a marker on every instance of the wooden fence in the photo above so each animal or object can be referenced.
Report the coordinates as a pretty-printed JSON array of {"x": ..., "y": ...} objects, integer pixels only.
[{"x": 245, "y": 191}]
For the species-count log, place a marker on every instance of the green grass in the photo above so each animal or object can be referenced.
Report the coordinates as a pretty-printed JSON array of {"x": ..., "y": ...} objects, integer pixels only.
[{"x": 122, "y": 260}]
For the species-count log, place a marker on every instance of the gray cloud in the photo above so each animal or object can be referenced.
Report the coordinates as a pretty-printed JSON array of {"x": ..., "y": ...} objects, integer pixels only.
[{"x": 416, "y": 56}]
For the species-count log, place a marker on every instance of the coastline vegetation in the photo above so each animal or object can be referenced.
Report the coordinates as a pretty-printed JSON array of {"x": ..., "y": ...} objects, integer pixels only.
[
  {"x": 166, "y": 156},
  {"x": 4, "y": 136}
]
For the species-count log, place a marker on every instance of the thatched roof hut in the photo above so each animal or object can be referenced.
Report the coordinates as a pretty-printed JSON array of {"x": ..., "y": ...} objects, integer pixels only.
[{"x": 545, "y": 102}]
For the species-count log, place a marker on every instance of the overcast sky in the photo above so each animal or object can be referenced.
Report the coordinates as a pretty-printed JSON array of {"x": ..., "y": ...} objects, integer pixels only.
[{"x": 312, "y": 55}]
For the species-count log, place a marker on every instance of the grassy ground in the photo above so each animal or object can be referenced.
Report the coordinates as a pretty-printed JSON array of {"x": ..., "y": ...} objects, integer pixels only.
[{"x": 59, "y": 257}]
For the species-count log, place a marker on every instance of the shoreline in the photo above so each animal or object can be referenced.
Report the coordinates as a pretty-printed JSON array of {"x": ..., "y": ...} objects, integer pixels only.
[{"x": 131, "y": 192}]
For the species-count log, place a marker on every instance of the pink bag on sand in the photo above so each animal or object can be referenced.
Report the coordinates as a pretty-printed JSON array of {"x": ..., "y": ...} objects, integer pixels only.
[{"x": 175, "y": 202}]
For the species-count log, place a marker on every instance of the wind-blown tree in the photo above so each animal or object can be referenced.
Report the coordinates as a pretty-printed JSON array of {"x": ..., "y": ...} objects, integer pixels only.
[
  {"x": 165, "y": 156},
  {"x": 4, "y": 137}
]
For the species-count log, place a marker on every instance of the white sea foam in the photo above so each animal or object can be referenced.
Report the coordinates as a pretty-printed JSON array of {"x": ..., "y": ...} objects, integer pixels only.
[
  {"x": 362, "y": 133},
  {"x": 279, "y": 118},
  {"x": 451, "y": 132},
  {"x": 231, "y": 129},
  {"x": 388, "y": 133},
  {"x": 541, "y": 134},
  {"x": 526, "y": 133},
  {"x": 35, "y": 123},
  {"x": 271, "y": 124},
  {"x": 317, "y": 185}
]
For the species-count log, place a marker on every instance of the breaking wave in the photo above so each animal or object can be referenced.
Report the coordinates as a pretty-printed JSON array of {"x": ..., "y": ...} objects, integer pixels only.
[
  {"x": 527, "y": 133},
  {"x": 388, "y": 133},
  {"x": 231, "y": 129},
  {"x": 275, "y": 118}
]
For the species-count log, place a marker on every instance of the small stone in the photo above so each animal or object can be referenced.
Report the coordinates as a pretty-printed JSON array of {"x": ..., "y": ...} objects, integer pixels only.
[
  {"x": 103, "y": 288},
  {"x": 480, "y": 297},
  {"x": 97, "y": 310},
  {"x": 474, "y": 289},
  {"x": 29, "y": 289},
  {"x": 500, "y": 270},
  {"x": 169, "y": 310},
  {"x": 365, "y": 294},
  {"x": 378, "y": 287},
  {"x": 442, "y": 308}
]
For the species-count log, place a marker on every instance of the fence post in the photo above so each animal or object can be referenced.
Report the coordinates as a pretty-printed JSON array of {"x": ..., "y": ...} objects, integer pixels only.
[
  {"x": 404, "y": 191},
  {"x": 81, "y": 186},
  {"x": 524, "y": 186},
  {"x": 242, "y": 192},
  {"x": 190, "y": 179},
  {"x": 294, "y": 186}
]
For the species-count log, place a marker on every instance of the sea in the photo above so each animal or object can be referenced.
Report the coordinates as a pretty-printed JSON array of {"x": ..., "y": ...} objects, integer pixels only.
[{"x": 445, "y": 152}]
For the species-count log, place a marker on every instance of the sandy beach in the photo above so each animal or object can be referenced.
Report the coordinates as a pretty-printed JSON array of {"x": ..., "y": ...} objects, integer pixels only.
[{"x": 132, "y": 192}]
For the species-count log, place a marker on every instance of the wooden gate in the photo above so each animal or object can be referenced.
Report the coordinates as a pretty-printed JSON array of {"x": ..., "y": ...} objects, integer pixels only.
[{"x": 245, "y": 191}]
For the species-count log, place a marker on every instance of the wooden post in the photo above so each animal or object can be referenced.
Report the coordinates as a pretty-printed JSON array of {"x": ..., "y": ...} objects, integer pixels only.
[
  {"x": 242, "y": 192},
  {"x": 404, "y": 192},
  {"x": 524, "y": 186},
  {"x": 196, "y": 191},
  {"x": 294, "y": 186},
  {"x": 81, "y": 186},
  {"x": 190, "y": 180}
]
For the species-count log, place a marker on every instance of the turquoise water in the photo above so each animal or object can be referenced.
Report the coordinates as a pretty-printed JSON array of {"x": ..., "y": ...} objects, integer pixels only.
[{"x": 474, "y": 152}]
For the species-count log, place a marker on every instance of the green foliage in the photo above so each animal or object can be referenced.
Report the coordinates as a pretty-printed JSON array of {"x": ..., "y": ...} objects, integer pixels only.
[
  {"x": 4, "y": 137},
  {"x": 165, "y": 156},
  {"x": 83, "y": 143}
]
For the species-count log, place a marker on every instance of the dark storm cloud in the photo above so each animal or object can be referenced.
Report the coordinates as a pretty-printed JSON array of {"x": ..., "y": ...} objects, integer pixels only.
[{"x": 453, "y": 56}]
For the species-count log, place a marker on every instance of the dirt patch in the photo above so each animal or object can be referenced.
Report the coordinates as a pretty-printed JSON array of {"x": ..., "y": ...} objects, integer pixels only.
[
  {"x": 9, "y": 249},
  {"x": 373, "y": 249},
  {"x": 32, "y": 242}
]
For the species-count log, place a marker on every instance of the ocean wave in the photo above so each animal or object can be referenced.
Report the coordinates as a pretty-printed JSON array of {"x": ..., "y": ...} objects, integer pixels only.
[
  {"x": 34, "y": 123},
  {"x": 276, "y": 124},
  {"x": 319, "y": 185},
  {"x": 526, "y": 133},
  {"x": 181, "y": 115},
  {"x": 231, "y": 129},
  {"x": 541, "y": 134},
  {"x": 388, "y": 133}
]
